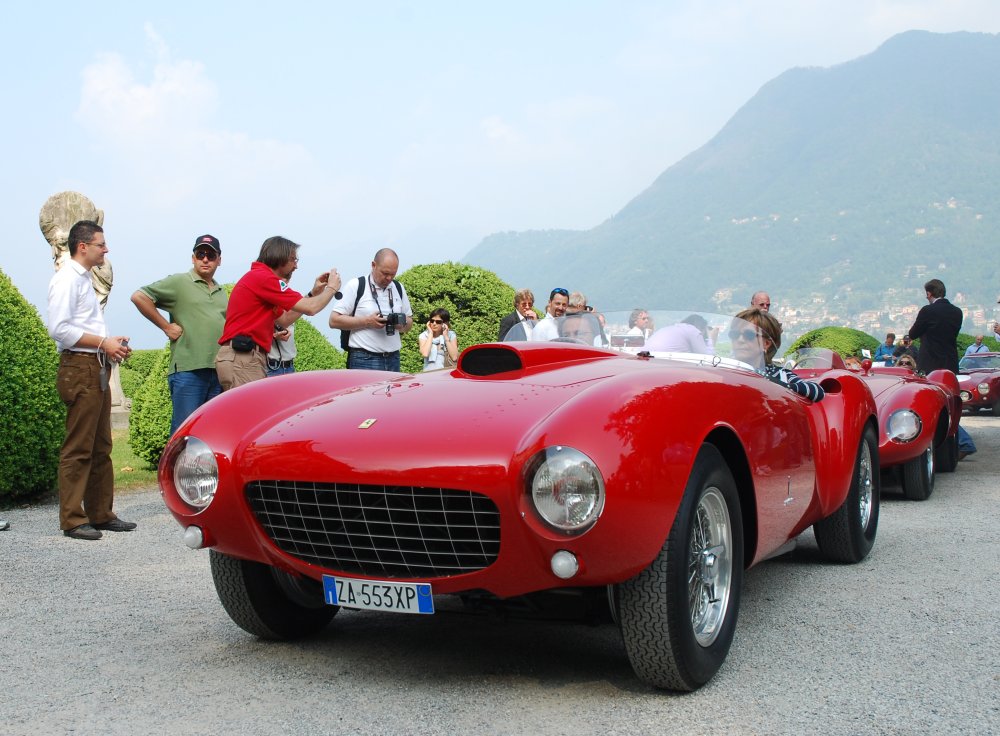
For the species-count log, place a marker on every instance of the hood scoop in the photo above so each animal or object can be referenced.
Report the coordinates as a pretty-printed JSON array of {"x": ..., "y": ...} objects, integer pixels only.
[{"x": 494, "y": 359}]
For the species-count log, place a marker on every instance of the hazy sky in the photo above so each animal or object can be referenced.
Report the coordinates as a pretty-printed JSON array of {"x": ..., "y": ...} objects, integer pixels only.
[{"x": 349, "y": 126}]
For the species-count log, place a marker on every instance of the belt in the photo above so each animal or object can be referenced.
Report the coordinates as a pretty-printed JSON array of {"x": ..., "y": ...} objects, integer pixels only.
[
  {"x": 280, "y": 363},
  {"x": 369, "y": 352},
  {"x": 256, "y": 347},
  {"x": 80, "y": 352}
]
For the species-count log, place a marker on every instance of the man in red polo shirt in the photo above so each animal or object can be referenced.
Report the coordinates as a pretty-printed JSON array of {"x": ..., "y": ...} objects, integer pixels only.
[{"x": 261, "y": 299}]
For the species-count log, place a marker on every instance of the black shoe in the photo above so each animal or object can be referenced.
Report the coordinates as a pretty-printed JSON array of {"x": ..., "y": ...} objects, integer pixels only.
[
  {"x": 84, "y": 531},
  {"x": 116, "y": 525}
]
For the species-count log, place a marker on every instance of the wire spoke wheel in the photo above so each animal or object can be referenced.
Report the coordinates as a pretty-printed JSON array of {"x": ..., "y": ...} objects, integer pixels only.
[{"x": 710, "y": 566}]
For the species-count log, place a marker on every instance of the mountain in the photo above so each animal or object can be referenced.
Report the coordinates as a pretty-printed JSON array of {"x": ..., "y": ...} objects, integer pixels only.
[{"x": 846, "y": 187}]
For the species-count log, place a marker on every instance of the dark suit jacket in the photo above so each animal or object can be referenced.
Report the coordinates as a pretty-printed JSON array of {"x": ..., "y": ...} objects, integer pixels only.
[
  {"x": 507, "y": 322},
  {"x": 937, "y": 326}
]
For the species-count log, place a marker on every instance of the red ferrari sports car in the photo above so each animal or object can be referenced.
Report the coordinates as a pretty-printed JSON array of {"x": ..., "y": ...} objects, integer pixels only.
[
  {"x": 979, "y": 382},
  {"x": 643, "y": 484},
  {"x": 918, "y": 417}
]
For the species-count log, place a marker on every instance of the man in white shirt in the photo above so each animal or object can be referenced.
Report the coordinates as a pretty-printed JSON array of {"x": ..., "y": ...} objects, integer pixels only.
[
  {"x": 375, "y": 309},
  {"x": 548, "y": 328},
  {"x": 76, "y": 323}
]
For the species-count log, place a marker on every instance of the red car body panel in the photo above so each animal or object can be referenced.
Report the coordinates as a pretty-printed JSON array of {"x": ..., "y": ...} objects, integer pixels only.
[
  {"x": 971, "y": 378},
  {"x": 641, "y": 421},
  {"x": 933, "y": 398}
]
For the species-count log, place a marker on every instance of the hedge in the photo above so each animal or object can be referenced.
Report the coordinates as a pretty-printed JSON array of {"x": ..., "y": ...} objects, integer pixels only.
[
  {"x": 476, "y": 298},
  {"x": 134, "y": 371},
  {"x": 35, "y": 417},
  {"x": 844, "y": 340}
]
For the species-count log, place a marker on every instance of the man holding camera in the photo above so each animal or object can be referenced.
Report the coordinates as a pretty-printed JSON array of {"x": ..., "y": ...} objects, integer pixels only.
[
  {"x": 262, "y": 301},
  {"x": 375, "y": 310}
]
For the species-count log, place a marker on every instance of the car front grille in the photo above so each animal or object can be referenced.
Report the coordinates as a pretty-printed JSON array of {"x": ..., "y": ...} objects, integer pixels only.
[{"x": 390, "y": 531}]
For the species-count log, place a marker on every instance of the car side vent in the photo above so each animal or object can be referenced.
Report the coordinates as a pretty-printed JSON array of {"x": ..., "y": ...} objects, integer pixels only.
[{"x": 488, "y": 361}]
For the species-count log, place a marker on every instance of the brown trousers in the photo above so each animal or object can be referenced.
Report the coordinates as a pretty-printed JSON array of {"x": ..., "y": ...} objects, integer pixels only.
[
  {"x": 86, "y": 477},
  {"x": 235, "y": 369}
]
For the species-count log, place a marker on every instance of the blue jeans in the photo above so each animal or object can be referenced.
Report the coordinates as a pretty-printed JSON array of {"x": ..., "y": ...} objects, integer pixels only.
[
  {"x": 278, "y": 370},
  {"x": 370, "y": 361},
  {"x": 189, "y": 390},
  {"x": 965, "y": 443}
]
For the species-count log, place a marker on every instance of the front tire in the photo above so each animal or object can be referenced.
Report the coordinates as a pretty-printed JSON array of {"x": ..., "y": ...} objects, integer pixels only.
[
  {"x": 268, "y": 602},
  {"x": 918, "y": 476},
  {"x": 678, "y": 616},
  {"x": 946, "y": 455},
  {"x": 848, "y": 534}
]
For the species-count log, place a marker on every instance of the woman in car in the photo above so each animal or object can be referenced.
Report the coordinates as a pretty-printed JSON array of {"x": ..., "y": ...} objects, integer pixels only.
[{"x": 756, "y": 337}]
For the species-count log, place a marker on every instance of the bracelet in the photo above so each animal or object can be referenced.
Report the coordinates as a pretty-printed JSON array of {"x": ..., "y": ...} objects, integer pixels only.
[{"x": 101, "y": 343}]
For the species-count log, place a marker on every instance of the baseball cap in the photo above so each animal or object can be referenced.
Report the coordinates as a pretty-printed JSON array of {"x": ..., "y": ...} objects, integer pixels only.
[{"x": 210, "y": 240}]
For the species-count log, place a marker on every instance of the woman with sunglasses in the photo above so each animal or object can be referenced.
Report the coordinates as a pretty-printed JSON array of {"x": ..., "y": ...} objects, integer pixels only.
[
  {"x": 756, "y": 337},
  {"x": 438, "y": 344}
]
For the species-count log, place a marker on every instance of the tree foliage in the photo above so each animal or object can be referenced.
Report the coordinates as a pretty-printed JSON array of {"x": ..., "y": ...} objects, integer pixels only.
[
  {"x": 476, "y": 298},
  {"x": 843, "y": 340},
  {"x": 134, "y": 371},
  {"x": 149, "y": 419},
  {"x": 313, "y": 351},
  {"x": 34, "y": 417}
]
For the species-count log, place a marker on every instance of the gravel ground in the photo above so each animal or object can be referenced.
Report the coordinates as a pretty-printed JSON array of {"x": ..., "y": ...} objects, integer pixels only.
[{"x": 126, "y": 636}]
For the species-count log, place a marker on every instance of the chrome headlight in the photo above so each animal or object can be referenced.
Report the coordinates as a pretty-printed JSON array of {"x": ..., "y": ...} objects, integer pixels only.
[
  {"x": 983, "y": 388},
  {"x": 196, "y": 473},
  {"x": 903, "y": 425},
  {"x": 966, "y": 396},
  {"x": 566, "y": 489}
]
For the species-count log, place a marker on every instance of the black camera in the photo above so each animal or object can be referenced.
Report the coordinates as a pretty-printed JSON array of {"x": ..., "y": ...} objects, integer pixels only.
[{"x": 392, "y": 320}]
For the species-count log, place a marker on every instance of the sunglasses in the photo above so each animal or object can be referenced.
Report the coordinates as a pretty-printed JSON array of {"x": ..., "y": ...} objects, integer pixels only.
[
  {"x": 748, "y": 335},
  {"x": 437, "y": 321},
  {"x": 559, "y": 290},
  {"x": 206, "y": 255}
]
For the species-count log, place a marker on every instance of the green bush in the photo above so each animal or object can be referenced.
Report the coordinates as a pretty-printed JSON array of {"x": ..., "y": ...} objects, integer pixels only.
[
  {"x": 134, "y": 371},
  {"x": 34, "y": 417},
  {"x": 313, "y": 351},
  {"x": 843, "y": 340},
  {"x": 476, "y": 298},
  {"x": 149, "y": 419}
]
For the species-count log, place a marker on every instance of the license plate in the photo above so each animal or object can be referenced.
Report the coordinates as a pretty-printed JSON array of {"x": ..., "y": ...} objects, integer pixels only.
[{"x": 378, "y": 595}]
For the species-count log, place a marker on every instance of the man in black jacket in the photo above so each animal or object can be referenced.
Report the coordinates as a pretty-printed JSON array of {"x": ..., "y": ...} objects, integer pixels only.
[
  {"x": 523, "y": 314},
  {"x": 937, "y": 327}
]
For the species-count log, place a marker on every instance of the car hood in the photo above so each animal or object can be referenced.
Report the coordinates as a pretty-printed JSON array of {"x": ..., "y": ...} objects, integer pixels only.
[{"x": 428, "y": 423}]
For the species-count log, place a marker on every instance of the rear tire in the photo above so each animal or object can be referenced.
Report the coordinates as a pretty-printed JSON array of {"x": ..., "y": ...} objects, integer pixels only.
[
  {"x": 918, "y": 476},
  {"x": 678, "y": 616},
  {"x": 848, "y": 534},
  {"x": 268, "y": 602}
]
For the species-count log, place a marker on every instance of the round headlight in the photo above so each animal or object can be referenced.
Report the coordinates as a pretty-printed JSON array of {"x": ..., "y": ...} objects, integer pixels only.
[
  {"x": 903, "y": 426},
  {"x": 983, "y": 388},
  {"x": 566, "y": 489},
  {"x": 966, "y": 396},
  {"x": 196, "y": 474}
]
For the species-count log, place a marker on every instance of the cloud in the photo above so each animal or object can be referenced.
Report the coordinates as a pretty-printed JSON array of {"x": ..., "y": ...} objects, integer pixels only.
[{"x": 163, "y": 131}]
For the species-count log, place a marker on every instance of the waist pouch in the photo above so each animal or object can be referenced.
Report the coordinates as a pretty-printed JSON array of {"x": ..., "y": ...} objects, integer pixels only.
[{"x": 243, "y": 344}]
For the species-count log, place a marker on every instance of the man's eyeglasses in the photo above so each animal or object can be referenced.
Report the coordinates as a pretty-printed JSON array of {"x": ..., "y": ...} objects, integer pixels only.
[
  {"x": 206, "y": 255},
  {"x": 558, "y": 290},
  {"x": 437, "y": 321}
]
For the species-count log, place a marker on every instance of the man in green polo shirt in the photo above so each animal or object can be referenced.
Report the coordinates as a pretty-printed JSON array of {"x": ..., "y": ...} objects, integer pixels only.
[{"x": 196, "y": 305}]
